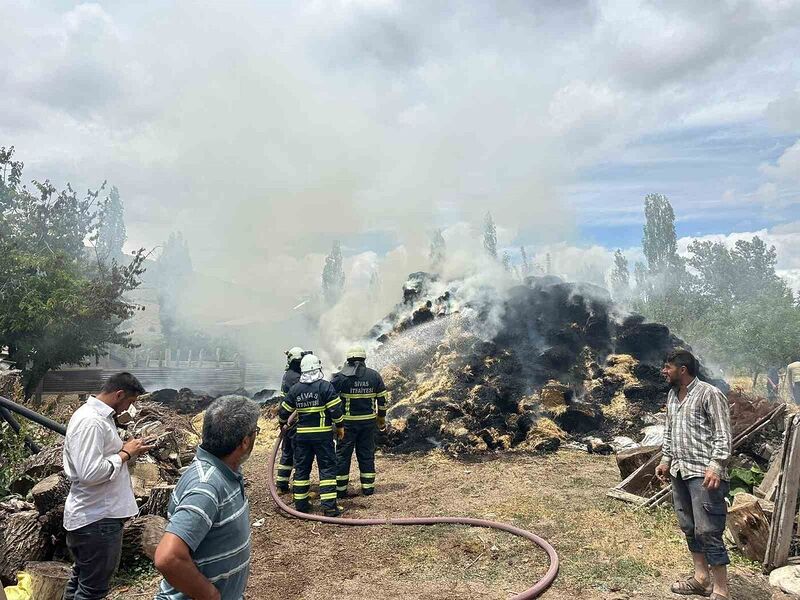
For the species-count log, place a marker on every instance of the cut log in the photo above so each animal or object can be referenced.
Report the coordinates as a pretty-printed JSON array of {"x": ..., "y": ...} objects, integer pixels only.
[
  {"x": 48, "y": 579},
  {"x": 50, "y": 492},
  {"x": 158, "y": 501},
  {"x": 22, "y": 538},
  {"x": 750, "y": 529},
  {"x": 144, "y": 476},
  {"x": 631, "y": 459},
  {"x": 37, "y": 467},
  {"x": 141, "y": 536}
]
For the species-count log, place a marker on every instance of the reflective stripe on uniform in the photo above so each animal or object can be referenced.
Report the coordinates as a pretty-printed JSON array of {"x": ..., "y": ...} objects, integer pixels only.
[
  {"x": 333, "y": 402},
  {"x": 286, "y": 407},
  {"x": 343, "y": 478},
  {"x": 367, "y": 475},
  {"x": 327, "y": 482},
  {"x": 314, "y": 429},
  {"x": 328, "y": 496},
  {"x": 313, "y": 409},
  {"x": 353, "y": 396},
  {"x": 359, "y": 417},
  {"x": 280, "y": 478},
  {"x": 300, "y": 496},
  {"x": 367, "y": 486},
  {"x": 302, "y": 482}
]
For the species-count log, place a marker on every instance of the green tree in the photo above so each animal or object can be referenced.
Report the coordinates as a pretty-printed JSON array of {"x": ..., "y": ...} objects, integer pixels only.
[
  {"x": 507, "y": 262},
  {"x": 333, "y": 275},
  {"x": 525, "y": 262},
  {"x": 620, "y": 278},
  {"x": 438, "y": 251},
  {"x": 58, "y": 304},
  {"x": 490, "y": 236},
  {"x": 659, "y": 241},
  {"x": 111, "y": 233}
]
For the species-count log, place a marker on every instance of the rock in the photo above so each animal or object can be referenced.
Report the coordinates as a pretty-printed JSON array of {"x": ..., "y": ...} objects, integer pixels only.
[
  {"x": 743, "y": 498},
  {"x": 594, "y": 445},
  {"x": 787, "y": 579}
]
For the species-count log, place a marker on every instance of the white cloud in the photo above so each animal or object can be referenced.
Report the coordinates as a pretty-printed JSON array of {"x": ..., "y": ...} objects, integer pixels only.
[{"x": 787, "y": 167}]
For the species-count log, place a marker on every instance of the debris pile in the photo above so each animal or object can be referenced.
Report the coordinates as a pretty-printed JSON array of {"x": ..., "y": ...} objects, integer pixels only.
[{"x": 472, "y": 369}]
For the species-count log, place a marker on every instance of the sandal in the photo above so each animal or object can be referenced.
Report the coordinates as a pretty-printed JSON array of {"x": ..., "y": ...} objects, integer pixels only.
[{"x": 692, "y": 587}]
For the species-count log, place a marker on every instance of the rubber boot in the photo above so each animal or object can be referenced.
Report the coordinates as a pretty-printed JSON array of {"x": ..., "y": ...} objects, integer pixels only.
[
  {"x": 283, "y": 487},
  {"x": 303, "y": 507},
  {"x": 341, "y": 494},
  {"x": 333, "y": 512},
  {"x": 367, "y": 491}
]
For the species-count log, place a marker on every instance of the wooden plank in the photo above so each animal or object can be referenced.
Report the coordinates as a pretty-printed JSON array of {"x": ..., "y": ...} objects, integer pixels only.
[
  {"x": 625, "y": 496},
  {"x": 782, "y": 527},
  {"x": 767, "y": 488}
]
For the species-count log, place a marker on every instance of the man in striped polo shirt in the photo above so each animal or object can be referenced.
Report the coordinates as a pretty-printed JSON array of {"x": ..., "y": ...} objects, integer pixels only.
[{"x": 205, "y": 551}]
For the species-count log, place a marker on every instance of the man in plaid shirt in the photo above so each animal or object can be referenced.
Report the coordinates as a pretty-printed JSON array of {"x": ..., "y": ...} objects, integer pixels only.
[{"x": 696, "y": 451}]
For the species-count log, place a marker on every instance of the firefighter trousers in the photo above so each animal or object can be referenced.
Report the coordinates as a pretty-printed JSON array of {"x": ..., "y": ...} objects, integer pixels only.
[
  {"x": 305, "y": 450},
  {"x": 358, "y": 436},
  {"x": 286, "y": 461}
]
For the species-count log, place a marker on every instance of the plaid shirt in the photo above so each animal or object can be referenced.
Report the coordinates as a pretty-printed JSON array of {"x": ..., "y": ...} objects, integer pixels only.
[{"x": 697, "y": 435}]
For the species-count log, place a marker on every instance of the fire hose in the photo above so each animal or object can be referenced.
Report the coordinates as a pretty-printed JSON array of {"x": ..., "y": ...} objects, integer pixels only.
[{"x": 533, "y": 592}]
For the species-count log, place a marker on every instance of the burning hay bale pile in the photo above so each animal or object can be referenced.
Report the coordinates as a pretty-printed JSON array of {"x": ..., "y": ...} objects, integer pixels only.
[
  {"x": 31, "y": 522},
  {"x": 472, "y": 370}
]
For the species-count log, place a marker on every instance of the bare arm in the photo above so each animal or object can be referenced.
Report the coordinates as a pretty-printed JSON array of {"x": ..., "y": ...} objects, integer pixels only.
[{"x": 174, "y": 560}]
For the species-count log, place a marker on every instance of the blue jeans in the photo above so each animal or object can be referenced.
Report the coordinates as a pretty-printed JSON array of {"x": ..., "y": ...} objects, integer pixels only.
[
  {"x": 96, "y": 549},
  {"x": 701, "y": 516}
]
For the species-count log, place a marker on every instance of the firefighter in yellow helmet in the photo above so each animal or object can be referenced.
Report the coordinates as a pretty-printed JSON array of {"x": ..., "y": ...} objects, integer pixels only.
[{"x": 364, "y": 397}]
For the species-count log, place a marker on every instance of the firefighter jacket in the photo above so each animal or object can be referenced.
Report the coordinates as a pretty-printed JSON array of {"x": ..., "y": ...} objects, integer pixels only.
[
  {"x": 290, "y": 377},
  {"x": 363, "y": 393},
  {"x": 318, "y": 409}
]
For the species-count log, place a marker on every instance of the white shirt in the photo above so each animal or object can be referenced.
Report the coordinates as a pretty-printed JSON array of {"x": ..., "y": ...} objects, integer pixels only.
[{"x": 101, "y": 487}]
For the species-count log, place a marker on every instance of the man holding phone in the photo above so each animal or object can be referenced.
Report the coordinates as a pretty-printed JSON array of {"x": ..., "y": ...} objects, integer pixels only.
[
  {"x": 696, "y": 451},
  {"x": 101, "y": 495}
]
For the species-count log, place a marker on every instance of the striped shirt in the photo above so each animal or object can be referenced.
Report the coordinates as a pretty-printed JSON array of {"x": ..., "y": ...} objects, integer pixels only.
[
  {"x": 209, "y": 511},
  {"x": 697, "y": 434}
]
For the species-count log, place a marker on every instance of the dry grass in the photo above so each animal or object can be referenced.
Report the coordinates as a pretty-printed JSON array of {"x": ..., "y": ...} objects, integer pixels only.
[{"x": 605, "y": 546}]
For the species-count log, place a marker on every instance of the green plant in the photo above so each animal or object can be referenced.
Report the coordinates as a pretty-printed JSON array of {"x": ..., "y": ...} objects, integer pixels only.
[{"x": 744, "y": 480}]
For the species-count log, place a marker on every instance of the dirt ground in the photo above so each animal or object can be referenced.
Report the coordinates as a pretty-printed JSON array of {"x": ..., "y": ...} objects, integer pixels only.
[{"x": 607, "y": 550}]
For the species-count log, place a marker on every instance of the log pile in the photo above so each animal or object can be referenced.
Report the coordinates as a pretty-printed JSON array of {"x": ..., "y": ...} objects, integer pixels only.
[{"x": 33, "y": 530}]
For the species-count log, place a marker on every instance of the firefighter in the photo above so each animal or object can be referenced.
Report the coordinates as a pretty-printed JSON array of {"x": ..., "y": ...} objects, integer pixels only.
[
  {"x": 364, "y": 396},
  {"x": 319, "y": 411},
  {"x": 290, "y": 377}
]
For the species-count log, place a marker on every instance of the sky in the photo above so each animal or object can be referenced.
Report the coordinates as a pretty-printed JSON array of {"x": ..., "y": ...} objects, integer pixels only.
[{"x": 265, "y": 130}]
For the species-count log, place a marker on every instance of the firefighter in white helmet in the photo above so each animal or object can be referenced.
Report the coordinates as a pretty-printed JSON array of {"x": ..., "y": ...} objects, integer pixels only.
[
  {"x": 364, "y": 397},
  {"x": 290, "y": 377},
  {"x": 319, "y": 412}
]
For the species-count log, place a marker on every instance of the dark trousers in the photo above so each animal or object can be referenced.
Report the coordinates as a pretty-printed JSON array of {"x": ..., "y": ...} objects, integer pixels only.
[
  {"x": 358, "y": 436},
  {"x": 286, "y": 461},
  {"x": 701, "y": 516},
  {"x": 96, "y": 549},
  {"x": 305, "y": 451}
]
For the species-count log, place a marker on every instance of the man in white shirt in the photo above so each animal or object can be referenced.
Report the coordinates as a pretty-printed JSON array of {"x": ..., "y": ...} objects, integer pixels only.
[{"x": 101, "y": 496}]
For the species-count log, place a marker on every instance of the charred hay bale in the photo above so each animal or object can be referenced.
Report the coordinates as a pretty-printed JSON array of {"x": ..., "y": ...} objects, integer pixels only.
[
  {"x": 543, "y": 436},
  {"x": 579, "y": 417}
]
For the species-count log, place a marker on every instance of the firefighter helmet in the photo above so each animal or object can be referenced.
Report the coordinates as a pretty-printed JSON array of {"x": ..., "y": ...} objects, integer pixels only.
[
  {"x": 356, "y": 352},
  {"x": 295, "y": 353},
  {"x": 310, "y": 363}
]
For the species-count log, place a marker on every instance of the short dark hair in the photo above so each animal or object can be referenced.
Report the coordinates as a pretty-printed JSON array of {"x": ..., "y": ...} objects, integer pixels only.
[
  {"x": 123, "y": 381},
  {"x": 227, "y": 421},
  {"x": 683, "y": 358}
]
